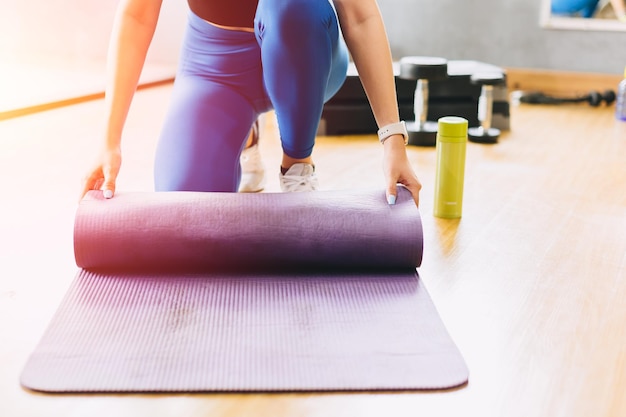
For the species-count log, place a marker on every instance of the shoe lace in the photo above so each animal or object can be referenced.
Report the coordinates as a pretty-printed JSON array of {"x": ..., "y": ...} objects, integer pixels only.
[{"x": 299, "y": 182}]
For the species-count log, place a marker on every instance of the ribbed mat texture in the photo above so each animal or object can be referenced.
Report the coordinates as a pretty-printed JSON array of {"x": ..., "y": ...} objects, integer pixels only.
[{"x": 197, "y": 292}]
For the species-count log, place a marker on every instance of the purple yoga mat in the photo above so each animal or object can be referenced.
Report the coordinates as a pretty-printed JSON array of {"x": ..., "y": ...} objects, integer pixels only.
[{"x": 191, "y": 292}]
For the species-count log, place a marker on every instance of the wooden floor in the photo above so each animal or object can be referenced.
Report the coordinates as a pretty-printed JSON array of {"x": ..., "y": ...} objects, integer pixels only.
[{"x": 531, "y": 282}]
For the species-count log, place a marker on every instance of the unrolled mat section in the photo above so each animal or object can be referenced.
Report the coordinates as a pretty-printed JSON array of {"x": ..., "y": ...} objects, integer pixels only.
[{"x": 200, "y": 292}]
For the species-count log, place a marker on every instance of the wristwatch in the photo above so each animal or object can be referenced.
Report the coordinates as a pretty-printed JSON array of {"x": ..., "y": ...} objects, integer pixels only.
[{"x": 393, "y": 129}]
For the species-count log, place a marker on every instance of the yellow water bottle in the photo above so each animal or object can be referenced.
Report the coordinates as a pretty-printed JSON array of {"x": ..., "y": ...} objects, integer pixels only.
[{"x": 450, "y": 174}]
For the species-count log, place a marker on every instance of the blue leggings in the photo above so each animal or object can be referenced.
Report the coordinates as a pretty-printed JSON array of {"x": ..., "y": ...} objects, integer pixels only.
[{"x": 294, "y": 61}]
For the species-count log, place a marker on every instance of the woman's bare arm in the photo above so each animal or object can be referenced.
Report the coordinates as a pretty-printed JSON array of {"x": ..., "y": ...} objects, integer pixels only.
[
  {"x": 133, "y": 29},
  {"x": 364, "y": 31}
]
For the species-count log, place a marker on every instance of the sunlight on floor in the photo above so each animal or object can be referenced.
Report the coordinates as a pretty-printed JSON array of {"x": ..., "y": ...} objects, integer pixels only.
[{"x": 32, "y": 83}]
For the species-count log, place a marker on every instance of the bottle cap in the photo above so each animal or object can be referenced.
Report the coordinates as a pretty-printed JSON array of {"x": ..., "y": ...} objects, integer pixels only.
[{"x": 453, "y": 127}]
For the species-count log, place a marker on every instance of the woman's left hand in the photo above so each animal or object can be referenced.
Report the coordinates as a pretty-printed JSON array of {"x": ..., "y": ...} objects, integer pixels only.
[{"x": 398, "y": 170}]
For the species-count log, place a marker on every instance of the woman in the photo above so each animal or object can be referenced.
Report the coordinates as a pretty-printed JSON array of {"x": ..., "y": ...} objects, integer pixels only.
[{"x": 239, "y": 61}]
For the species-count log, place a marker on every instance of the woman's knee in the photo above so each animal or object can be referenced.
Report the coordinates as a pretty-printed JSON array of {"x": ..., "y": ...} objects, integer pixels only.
[{"x": 202, "y": 136}]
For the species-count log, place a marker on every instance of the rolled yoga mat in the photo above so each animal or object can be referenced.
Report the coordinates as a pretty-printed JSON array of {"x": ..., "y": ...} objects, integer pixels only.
[{"x": 199, "y": 292}]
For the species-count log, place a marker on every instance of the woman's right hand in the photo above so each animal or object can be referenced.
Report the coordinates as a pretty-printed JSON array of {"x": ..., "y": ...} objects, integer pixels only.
[
  {"x": 104, "y": 174},
  {"x": 134, "y": 26}
]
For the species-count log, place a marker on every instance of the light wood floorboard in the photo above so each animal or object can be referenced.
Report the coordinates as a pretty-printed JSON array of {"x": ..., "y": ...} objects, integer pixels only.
[{"x": 531, "y": 282}]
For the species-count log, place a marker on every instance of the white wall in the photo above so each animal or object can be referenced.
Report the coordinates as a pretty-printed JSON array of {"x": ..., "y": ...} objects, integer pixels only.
[
  {"x": 500, "y": 32},
  {"x": 77, "y": 30}
]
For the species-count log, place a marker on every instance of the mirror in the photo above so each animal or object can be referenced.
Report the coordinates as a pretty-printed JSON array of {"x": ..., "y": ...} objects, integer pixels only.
[{"x": 593, "y": 15}]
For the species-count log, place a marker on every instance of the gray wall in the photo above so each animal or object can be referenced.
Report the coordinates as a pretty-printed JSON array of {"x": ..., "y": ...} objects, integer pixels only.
[{"x": 500, "y": 32}]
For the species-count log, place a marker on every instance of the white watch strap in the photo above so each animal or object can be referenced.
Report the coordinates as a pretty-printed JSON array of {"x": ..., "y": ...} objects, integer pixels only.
[{"x": 393, "y": 129}]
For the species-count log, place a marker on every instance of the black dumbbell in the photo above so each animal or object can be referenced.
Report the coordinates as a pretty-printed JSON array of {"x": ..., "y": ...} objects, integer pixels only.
[
  {"x": 594, "y": 98},
  {"x": 485, "y": 133},
  {"x": 423, "y": 69}
]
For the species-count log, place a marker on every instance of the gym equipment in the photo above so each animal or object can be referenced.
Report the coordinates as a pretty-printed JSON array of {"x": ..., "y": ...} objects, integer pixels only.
[
  {"x": 348, "y": 112},
  {"x": 594, "y": 98},
  {"x": 313, "y": 292},
  {"x": 620, "y": 105},
  {"x": 485, "y": 133},
  {"x": 422, "y": 132}
]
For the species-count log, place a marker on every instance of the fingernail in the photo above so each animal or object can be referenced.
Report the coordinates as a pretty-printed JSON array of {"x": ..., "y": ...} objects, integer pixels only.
[
  {"x": 108, "y": 194},
  {"x": 391, "y": 199}
]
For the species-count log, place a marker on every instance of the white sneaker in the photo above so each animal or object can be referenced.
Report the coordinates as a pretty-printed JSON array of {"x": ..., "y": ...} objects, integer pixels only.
[
  {"x": 252, "y": 168},
  {"x": 300, "y": 177}
]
